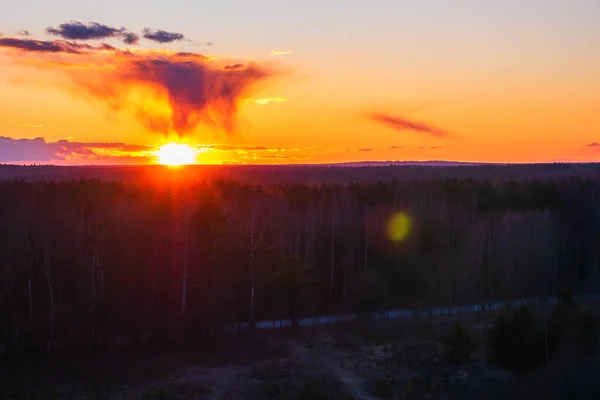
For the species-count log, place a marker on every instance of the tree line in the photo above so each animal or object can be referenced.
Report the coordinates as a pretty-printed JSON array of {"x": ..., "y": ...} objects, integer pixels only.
[{"x": 90, "y": 264}]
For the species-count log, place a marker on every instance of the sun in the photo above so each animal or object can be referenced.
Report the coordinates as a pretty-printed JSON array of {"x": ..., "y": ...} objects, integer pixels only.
[{"x": 174, "y": 154}]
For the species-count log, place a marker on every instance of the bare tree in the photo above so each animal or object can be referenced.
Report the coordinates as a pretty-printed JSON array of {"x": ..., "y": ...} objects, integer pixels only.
[{"x": 256, "y": 224}]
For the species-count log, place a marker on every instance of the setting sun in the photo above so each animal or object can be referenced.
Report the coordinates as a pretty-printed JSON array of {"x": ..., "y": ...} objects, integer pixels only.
[{"x": 174, "y": 154}]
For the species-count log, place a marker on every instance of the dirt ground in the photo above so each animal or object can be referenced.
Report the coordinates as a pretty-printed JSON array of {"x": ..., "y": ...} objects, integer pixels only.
[
  {"x": 360, "y": 363},
  {"x": 357, "y": 364}
]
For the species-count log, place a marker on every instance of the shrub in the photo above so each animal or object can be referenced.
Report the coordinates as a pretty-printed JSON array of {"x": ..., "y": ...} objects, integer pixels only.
[
  {"x": 458, "y": 345},
  {"x": 585, "y": 330},
  {"x": 515, "y": 342},
  {"x": 577, "y": 327},
  {"x": 557, "y": 324},
  {"x": 384, "y": 388}
]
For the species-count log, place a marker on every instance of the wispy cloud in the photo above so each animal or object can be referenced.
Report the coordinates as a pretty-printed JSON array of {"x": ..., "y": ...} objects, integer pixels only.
[
  {"x": 280, "y": 53},
  {"x": 23, "y": 32},
  {"x": 366, "y": 149},
  {"x": 269, "y": 100},
  {"x": 402, "y": 124},
  {"x": 30, "y": 125},
  {"x": 415, "y": 148},
  {"x": 229, "y": 147},
  {"x": 193, "y": 43},
  {"x": 593, "y": 144},
  {"x": 253, "y": 154},
  {"x": 39, "y": 150}
]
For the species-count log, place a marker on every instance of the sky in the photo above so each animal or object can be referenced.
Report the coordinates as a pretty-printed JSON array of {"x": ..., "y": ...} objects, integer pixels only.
[{"x": 300, "y": 82}]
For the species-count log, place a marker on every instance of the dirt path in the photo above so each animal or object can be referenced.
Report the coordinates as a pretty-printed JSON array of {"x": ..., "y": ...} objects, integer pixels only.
[{"x": 246, "y": 381}]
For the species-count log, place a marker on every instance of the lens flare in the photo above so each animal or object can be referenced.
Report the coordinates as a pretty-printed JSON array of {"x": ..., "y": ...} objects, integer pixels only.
[{"x": 398, "y": 227}]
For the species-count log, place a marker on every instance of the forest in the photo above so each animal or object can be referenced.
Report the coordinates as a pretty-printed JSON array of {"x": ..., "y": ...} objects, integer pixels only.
[{"x": 92, "y": 264}]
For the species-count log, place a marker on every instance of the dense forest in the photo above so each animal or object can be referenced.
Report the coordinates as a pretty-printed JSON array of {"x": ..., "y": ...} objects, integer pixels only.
[{"x": 90, "y": 264}]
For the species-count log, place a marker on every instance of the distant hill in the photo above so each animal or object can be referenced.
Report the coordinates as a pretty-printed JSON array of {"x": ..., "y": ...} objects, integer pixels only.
[{"x": 432, "y": 163}]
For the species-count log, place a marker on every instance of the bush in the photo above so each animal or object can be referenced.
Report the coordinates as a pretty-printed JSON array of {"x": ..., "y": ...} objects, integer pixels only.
[
  {"x": 557, "y": 324},
  {"x": 515, "y": 342},
  {"x": 458, "y": 345},
  {"x": 585, "y": 331},
  {"x": 384, "y": 388},
  {"x": 577, "y": 327}
]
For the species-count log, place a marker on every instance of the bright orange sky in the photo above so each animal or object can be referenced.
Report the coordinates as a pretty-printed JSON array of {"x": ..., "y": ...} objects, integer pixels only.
[{"x": 504, "y": 83}]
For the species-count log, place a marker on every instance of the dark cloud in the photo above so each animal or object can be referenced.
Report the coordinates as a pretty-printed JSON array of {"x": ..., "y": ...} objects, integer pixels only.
[
  {"x": 51, "y": 46},
  {"x": 161, "y": 36},
  {"x": 402, "y": 124},
  {"x": 41, "y": 46},
  {"x": 593, "y": 144},
  {"x": 75, "y": 30},
  {"x": 235, "y": 66},
  {"x": 23, "y": 32},
  {"x": 397, "y": 147},
  {"x": 38, "y": 150},
  {"x": 130, "y": 38},
  {"x": 197, "y": 56},
  {"x": 194, "y": 91},
  {"x": 365, "y": 149},
  {"x": 167, "y": 92}
]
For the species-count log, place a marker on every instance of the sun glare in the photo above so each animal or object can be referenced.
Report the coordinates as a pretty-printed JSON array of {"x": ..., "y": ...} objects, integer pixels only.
[{"x": 174, "y": 154}]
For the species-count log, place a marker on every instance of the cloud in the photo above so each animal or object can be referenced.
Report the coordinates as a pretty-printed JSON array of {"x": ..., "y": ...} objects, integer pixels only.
[
  {"x": 75, "y": 30},
  {"x": 593, "y": 144},
  {"x": 276, "y": 156},
  {"x": 30, "y": 125},
  {"x": 234, "y": 67},
  {"x": 228, "y": 147},
  {"x": 280, "y": 53},
  {"x": 43, "y": 46},
  {"x": 161, "y": 36},
  {"x": 401, "y": 124},
  {"x": 366, "y": 149},
  {"x": 167, "y": 92},
  {"x": 417, "y": 148},
  {"x": 130, "y": 38},
  {"x": 38, "y": 150},
  {"x": 192, "y": 43},
  {"x": 23, "y": 32},
  {"x": 269, "y": 100}
]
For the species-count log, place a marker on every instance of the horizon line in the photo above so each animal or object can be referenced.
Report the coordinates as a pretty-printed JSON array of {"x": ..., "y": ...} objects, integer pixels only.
[{"x": 333, "y": 164}]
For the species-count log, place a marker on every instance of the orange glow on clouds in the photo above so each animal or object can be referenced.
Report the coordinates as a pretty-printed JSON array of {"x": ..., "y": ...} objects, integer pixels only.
[
  {"x": 166, "y": 91},
  {"x": 504, "y": 107},
  {"x": 280, "y": 53},
  {"x": 269, "y": 100}
]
